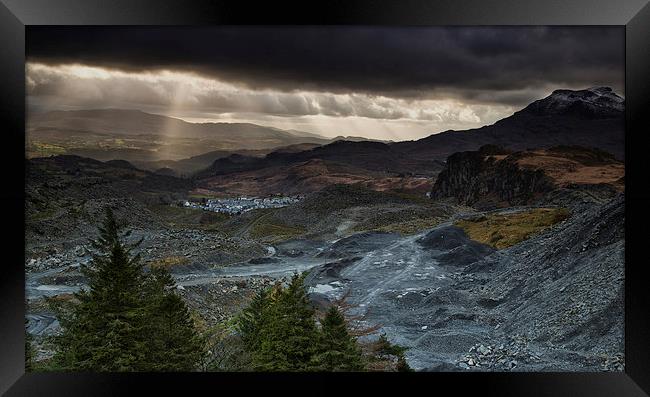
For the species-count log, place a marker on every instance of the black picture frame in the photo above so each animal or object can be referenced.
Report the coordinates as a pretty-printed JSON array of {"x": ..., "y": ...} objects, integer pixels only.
[{"x": 15, "y": 15}]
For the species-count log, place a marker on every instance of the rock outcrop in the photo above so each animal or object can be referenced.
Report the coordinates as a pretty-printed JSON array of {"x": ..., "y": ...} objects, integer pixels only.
[
  {"x": 488, "y": 177},
  {"x": 493, "y": 177}
]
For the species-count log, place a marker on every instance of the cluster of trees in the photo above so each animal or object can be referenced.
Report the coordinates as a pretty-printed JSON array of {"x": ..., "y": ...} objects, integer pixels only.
[
  {"x": 130, "y": 319},
  {"x": 279, "y": 332}
]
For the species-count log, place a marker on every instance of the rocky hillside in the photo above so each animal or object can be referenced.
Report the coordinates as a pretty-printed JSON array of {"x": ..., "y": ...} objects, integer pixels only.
[
  {"x": 87, "y": 178},
  {"x": 495, "y": 177},
  {"x": 563, "y": 289},
  {"x": 65, "y": 200},
  {"x": 66, "y": 195},
  {"x": 340, "y": 210},
  {"x": 551, "y": 302}
]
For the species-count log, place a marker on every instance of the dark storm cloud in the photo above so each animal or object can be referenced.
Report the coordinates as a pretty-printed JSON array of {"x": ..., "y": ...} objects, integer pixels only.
[{"x": 506, "y": 65}]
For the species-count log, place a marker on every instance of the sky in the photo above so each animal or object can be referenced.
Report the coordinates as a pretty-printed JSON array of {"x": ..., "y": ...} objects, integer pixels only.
[{"x": 391, "y": 83}]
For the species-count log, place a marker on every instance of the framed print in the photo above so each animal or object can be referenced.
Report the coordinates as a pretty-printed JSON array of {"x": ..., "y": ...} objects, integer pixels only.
[{"x": 361, "y": 194}]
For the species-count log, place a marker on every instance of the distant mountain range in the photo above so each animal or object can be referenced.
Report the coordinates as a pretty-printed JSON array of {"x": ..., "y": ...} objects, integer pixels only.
[
  {"x": 136, "y": 122},
  {"x": 592, "y": 118},
  {"x": 268, "y": 160},
  {"x": 188, "y": 166},
  {"x": 107, "y": 134}
]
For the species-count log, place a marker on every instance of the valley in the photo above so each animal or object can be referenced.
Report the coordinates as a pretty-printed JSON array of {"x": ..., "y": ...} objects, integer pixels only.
[{"x": 498, "y": 249}]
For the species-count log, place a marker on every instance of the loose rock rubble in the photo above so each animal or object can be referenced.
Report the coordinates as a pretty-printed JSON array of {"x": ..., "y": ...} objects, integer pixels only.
[
  {"x": 502, "y": 357},
  {"x": 219, "y": 301}
]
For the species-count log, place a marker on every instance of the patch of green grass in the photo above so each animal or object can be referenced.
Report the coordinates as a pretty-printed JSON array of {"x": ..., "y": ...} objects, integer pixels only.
[
  {"x": 410, "y": 226},
  {"x": 503, "y": 231},
  {"x": 169, "y": 261}
]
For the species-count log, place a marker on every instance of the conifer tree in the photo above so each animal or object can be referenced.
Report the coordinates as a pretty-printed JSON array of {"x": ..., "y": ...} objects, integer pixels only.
[
  {"x": 279, "y": 332},
  {"x": 251, "y": 320},
  {"x": 337, "y": 350},
  {"x": 175, "y": 344},
  {"x": 127, "y": 320},
  {"x": 288, "y": 339},
  {"x": 105, "y": 331}
]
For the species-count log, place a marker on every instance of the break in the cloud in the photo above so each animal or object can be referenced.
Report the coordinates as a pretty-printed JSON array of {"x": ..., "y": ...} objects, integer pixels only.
[
  {"x": 390, "y": 83},
  {"x": 197, "y": 98}
]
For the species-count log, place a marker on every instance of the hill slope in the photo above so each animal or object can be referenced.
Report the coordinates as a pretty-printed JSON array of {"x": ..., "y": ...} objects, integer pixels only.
[
  {"x": 372, "y": 164},
  {"x": 106, "y": 134},
  {"x": 590, "y": 118},
  {"x": 136, "y": 122}
]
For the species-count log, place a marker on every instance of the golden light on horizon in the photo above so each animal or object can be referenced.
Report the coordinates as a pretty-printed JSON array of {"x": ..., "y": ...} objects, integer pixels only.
[{"x": 193, "y": 97}]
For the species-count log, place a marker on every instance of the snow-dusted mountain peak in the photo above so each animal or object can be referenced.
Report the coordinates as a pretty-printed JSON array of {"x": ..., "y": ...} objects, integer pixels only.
[{"x": 591, "y": 102}]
